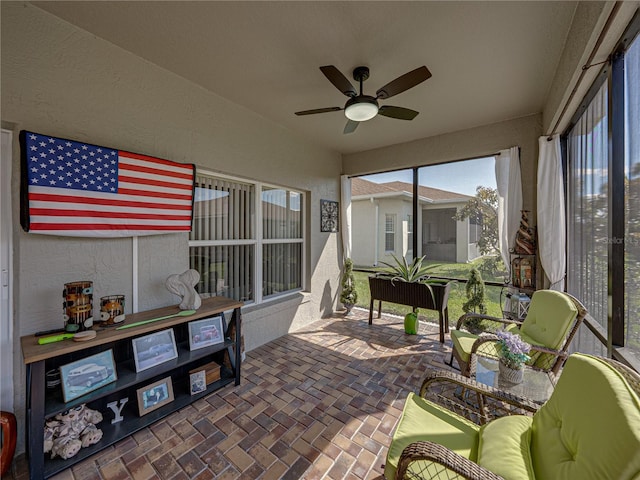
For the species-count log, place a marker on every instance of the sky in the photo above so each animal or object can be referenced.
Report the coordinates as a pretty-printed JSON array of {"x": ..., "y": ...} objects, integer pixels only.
[{"x": 460, "y": 177}]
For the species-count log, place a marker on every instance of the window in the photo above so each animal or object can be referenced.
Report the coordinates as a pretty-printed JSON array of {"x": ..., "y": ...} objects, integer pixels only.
[
  {"x": 237, "y": 259},
  {"x": 475, "y": 227},
  {"x": 390, "y": 232},
  {"x": 588, "y": 211},
  {"x": 603, "y": 192},
  {"x": 409, "y": 236},
  {"x": 282, "y": 241},
  {"x": 632, "y": 198}
]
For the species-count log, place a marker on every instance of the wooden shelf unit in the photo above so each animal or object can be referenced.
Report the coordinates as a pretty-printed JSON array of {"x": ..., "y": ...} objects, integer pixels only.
[{"x": 43, "y": 404}]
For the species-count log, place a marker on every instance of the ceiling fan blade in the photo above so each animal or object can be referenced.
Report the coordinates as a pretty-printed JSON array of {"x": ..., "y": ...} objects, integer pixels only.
[
  {"x": 319, "y": 110},
  {"x": 350, "y": 127},
  {"x": 403, "y": 83},
  {"x": 339, "y": 80},
  {"x": 400, "y": 113}
]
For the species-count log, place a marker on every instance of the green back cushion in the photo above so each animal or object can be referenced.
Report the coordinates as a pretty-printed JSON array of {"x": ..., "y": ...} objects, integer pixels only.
[
  {"x": 590, "y": 427},
  {"x": 550, "y": 316},
  {"x": 504, "y": 447},
  {"x": 422, "y": 420}
]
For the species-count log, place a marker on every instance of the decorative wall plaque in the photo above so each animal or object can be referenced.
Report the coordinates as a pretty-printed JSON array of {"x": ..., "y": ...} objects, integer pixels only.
[{"x": 329, "y": 216}]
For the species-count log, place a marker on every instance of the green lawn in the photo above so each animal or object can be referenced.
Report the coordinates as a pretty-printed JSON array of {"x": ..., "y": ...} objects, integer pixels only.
[{"x": 456, "y": 299}]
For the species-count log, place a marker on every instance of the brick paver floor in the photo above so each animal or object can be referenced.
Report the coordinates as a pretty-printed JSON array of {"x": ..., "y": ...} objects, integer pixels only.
[{"x": 319, "y": 403}]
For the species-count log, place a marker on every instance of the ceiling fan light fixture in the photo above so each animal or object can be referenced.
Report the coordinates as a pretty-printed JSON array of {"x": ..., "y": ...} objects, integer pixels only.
[{"x": 361, "y": 109}]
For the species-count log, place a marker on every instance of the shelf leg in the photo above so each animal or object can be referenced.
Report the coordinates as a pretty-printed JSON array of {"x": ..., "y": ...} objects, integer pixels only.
[
  {"x": 35, "y": 419},
  {"x": 236, "y": 319}
]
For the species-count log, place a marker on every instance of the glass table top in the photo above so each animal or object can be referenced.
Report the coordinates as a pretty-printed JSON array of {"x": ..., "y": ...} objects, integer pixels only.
[{"x": 535, "y": 386}]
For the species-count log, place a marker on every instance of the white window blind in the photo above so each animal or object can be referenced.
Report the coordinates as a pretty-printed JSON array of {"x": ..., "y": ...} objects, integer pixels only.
[{"x": 234, "y": 257}]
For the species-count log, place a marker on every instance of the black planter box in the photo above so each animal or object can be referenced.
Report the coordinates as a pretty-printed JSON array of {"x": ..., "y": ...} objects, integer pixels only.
[{"x": 416, "y": 295}]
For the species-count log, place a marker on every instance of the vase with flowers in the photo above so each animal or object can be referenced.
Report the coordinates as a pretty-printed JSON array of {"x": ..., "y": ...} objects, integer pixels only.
[{"x": 513, "y": 354}]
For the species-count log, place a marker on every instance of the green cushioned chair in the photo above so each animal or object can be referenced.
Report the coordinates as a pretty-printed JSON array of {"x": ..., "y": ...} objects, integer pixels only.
[
  {"x": 551, "y": 323},
  {"x": 588, "y": 430}
]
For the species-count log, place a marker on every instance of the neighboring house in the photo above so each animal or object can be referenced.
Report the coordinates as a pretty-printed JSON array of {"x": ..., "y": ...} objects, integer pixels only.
[{"x": 381, "y": 216}]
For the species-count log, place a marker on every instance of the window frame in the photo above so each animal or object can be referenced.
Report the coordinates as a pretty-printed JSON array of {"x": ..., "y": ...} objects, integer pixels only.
[
  {"x": 392, "y": 232},
  {"x": 613, "y": 73},
  {"x": 257, "y": 240}
]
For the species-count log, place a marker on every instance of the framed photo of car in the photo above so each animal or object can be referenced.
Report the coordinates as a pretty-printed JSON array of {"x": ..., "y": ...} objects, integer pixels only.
[
  {"x": 198, "y": 382},
  {"x": 203, "y": 333},
  {"x": 154, "y": 349},
  {"x": 88, "y": 374},
  {"x": 155, "y": 396}
]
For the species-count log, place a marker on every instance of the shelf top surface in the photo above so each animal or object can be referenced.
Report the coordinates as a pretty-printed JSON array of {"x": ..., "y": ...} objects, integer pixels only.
[{"x": 34, "y": 352}]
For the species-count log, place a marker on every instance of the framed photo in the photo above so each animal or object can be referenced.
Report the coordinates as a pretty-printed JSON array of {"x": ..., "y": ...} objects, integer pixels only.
[
  {"x": 203, "y": 333},
  {"x": 155, "y": 396},
  {"x": 154, "y": 349},
  {"x": 88, "y": 374},
  {"x": 198, "y": 382},
  {"x": 329, "y": 216}
]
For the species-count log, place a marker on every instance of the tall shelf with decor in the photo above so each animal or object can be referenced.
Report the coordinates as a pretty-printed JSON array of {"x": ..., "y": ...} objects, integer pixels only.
[
  {"x": 118, "y": 401},
  {"x": 520, "y": 286}
]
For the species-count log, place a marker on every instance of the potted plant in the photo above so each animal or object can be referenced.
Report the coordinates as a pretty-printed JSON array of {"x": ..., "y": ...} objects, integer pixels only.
[
  {"x": 512, "y": 355},
  {"x": 349, "y": 295},
  {"x": 476, "y": 300},
  {"x": 408, "y": 284}
]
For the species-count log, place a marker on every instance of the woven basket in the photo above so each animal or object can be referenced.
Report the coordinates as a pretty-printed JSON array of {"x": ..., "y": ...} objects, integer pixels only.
[{"x": 510, "y": 375}]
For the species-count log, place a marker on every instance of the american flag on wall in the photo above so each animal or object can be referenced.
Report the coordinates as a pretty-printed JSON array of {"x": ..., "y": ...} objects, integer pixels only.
[{"x": 82, "y": 190}]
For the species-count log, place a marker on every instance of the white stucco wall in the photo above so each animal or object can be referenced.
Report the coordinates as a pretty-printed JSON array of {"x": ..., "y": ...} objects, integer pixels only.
[{"x": 60, "y": 80}]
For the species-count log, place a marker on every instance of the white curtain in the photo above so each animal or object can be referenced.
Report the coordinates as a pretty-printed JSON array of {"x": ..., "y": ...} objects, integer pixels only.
[
  {"x": 345, "y": 215},
  {"x": 509, "y": 200},
  {"x": 551, "y": 213}
]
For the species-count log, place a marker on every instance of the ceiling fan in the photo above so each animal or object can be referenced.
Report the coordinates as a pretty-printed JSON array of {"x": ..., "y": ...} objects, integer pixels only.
[{"x": 360, "y": 107}]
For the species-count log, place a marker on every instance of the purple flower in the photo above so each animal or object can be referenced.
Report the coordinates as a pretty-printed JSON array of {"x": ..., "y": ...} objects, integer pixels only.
[{"x": 512, "y": 349}]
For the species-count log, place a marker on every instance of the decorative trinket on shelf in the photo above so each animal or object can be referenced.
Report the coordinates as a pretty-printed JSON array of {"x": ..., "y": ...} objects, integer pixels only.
[
  {"x": 525, "y": 238},
  {"x": 78, "y": 306},
  {"x": 183, "y": 285},
  {"x": 117, "y": 407},
  {"x": 72, "y": 430},
  {"x": 111, "y": 310}
]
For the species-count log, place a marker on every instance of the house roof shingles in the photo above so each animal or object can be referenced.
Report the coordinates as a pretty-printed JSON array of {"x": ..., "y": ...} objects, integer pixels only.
[{"x": 360, "y": 186}]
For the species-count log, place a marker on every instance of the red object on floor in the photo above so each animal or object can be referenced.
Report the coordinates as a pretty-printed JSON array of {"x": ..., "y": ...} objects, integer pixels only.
[{"x": 9, "y": 433}]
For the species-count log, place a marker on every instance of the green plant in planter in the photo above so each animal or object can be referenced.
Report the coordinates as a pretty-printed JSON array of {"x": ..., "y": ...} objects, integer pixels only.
[
  {"x": 349, "y": 294},
  {"x": 407, "y": 272},
  {"x": 476, "y": 299},
  {"x": 414, "y": 272}
]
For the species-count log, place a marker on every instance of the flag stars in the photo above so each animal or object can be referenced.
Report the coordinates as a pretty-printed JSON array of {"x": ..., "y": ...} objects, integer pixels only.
[
  {"x": 34, "y": 148},
  {"x": 68, "y": 144},
  {"x": 52, "y": 182},
  {"x": 34, "y": 180},
  {"x": 84, "y": 185},
  {"x": 84, "y": 147},
  {"x": 76, "y": 150},
  {"x": 42, "y": 144},
  {"x": 51, "y": 140},
  {"x": 43, "y": 155},
  {"x": 33, "y": 137},
  {"x": 43, "y": 175}
]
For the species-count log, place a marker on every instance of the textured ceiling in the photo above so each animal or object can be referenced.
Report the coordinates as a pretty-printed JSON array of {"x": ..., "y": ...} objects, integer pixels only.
[{"x": 491, "y": 61}]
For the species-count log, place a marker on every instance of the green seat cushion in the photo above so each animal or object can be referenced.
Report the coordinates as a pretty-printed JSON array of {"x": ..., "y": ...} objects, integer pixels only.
[
  {"x": 504, "y": 447},
  {"x": 423, "y": 420},
  {"x": 590, "y": 427},
  {"x": 463, "y": 341}
]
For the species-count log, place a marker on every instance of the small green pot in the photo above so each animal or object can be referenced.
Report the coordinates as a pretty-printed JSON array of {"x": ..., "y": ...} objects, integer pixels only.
[{"x": 411, "y": 323}]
